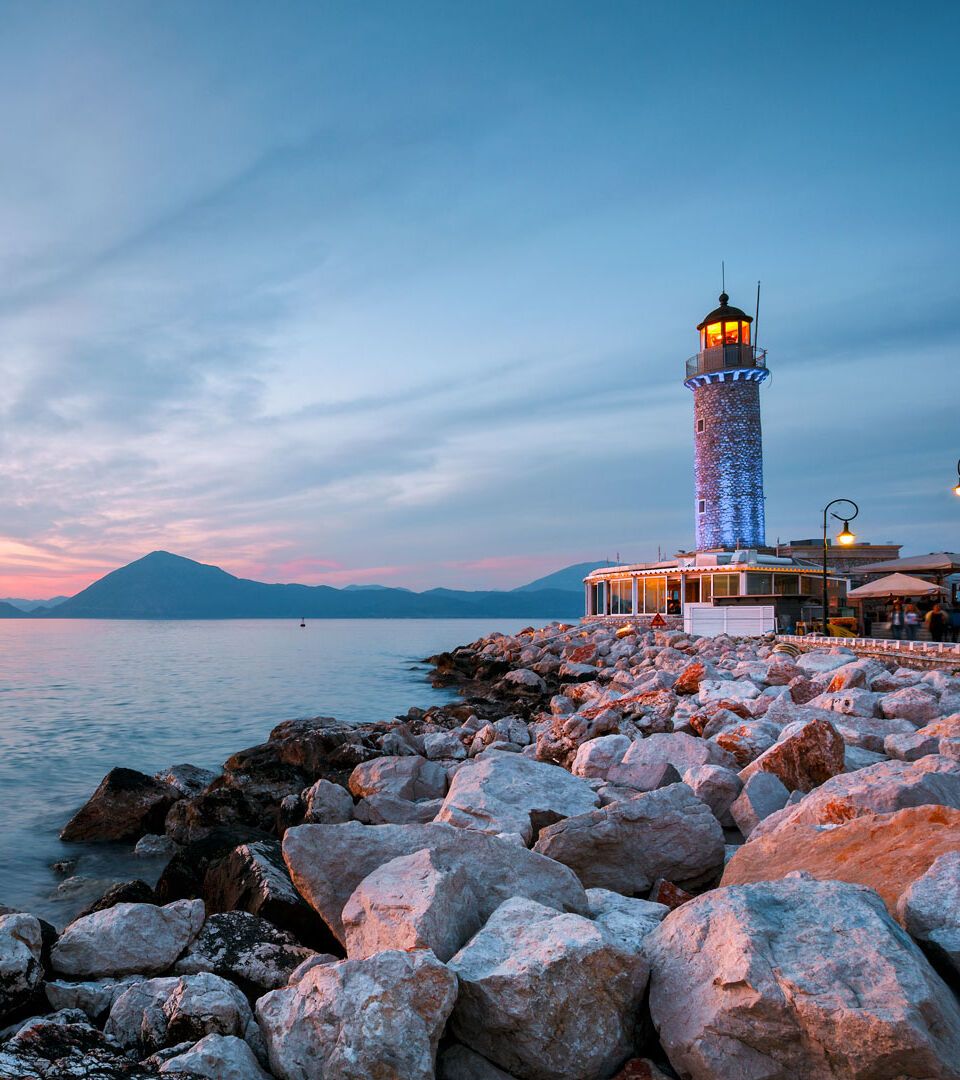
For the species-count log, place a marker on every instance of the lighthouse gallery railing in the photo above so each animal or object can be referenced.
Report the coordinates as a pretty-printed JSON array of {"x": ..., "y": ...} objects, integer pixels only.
[{"x": 726, "y": 358}]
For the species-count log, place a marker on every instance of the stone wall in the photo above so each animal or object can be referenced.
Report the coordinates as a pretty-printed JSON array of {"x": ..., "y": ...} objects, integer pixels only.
[{"x": 728, "y": 464}]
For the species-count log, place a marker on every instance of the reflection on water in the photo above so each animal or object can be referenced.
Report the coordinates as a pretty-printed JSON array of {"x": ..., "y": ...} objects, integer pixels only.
[{"x": 78, "y": 697}]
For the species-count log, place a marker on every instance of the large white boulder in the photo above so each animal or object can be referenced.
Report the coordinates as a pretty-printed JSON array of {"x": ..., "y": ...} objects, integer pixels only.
[
  {"x": 818, "y": 661},
  {"x": 418, "y": 901},
  {"x": 912, "y": 703},
  {"x": 327, "y": 804},
  {"x": 930, "y": 910},
  {"x": 717, "y": 787},
  {"x": 93, "y": 997},
  {"x": 358, "y": 1019},
  {"x": 627, "y": 845},
  {"x": 21, "y": 970},
  {"x": 137, "y": 1020},
  {"x": 219, "y": 1057},
  {"x": 408, "y": 777},
  {"x": 597, "y": 756},
  {"x": 327, "y": 862},
  {"x": 798, "y": 980},
  {"x": 739, "y": 690},
  {"x": 155, "y": 1013},
  {"x": 548, "y": 996},
  {"x": 677, "y": 748},
  {"x": 128, "y": 939},
  {"x": 498, "y": 793},
  {"x": 624, "y": 919}
]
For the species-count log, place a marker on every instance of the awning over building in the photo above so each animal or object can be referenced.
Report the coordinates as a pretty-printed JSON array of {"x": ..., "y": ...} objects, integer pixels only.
[
  {"x": 940, "y": 563},
  {"x": 894, "y": 585}
]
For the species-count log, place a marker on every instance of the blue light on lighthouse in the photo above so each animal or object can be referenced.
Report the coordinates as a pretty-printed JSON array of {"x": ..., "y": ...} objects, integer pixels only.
[{"x": 725, "y": 377}]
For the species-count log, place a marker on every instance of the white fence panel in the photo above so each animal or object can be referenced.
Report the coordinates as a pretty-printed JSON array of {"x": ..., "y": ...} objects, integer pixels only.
[{"x": 708, "y": 620}]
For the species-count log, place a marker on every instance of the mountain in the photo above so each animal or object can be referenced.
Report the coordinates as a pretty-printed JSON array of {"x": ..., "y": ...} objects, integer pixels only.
[
  {"x": 368, "y": 588},
  {"x": 8, "y": 611},
  {"x": 31, "y": 605},
  {"x": 569, "y": 579},
  {"x": 166, "y": 586}
]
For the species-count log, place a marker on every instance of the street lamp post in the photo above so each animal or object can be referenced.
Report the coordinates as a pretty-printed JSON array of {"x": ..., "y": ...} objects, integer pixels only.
[{"x": 846, "y": 537}]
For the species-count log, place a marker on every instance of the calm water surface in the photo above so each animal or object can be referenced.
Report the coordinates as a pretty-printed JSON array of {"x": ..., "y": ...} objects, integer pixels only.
[{"x": 78, "y": 697}]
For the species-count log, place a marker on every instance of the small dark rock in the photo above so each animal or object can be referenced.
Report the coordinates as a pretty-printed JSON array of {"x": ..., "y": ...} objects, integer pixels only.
[
  {"x": 58, "y": 1051},
  {"x": 182, "y": 877},
  {"x": 254, "y": 878},
  {"x": 126, "y": 805},
  {"x": 124, "y": 892},
  {"x": 245, "y": 949}
]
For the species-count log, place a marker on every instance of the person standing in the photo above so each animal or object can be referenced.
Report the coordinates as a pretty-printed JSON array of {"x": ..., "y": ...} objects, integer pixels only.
[
  {"x": 954, "y": 629},
  {"x": 937, "y": 623},
  {"x": 911, "y": 621},
  {"x": 896, "y": 620}
]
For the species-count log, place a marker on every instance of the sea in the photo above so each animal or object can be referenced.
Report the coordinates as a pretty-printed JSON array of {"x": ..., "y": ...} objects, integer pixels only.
[{"x": 78, "y": 697}]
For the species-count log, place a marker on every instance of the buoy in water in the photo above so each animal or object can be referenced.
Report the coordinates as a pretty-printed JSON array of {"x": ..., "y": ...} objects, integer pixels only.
[{"x": 303, "y": 623}]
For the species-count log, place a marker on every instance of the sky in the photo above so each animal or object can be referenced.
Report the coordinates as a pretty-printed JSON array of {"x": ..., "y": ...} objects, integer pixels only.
[{"x": 402, "y": 293}]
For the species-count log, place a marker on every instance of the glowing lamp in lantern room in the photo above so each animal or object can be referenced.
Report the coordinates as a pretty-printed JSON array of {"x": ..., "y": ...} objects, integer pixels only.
[{"x": 725, "y": 326}]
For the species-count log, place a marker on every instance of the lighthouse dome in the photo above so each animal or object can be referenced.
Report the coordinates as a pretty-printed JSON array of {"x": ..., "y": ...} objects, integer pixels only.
[{"x": 725, "y": 313}]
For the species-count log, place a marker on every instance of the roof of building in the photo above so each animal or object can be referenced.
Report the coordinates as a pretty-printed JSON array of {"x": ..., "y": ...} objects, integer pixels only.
[
  {"x": 725, "y": 312},
  {"x": 729, "y": 562},
  {"x": 938, "y": 562}
]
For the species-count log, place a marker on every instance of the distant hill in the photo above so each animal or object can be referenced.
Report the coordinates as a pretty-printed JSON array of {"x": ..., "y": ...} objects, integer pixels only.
[
  {"x": 8, "y": 611},
  {"x": 166, "y": 586},
  {"x": 31, "y": 605},
  {"x": 368, "y": 588},
  {"x": 569, "y": 579}
]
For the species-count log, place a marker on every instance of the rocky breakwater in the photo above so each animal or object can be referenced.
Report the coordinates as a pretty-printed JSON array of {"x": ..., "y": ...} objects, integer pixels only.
[{"x": 622, "y": 855}]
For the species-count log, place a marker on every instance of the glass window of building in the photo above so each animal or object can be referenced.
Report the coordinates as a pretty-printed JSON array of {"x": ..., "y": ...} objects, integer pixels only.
[
  {"x": 655, "y": 595},
  {"x": 760, "y": 584},
  {"x": 597, "y": 598},
  {"x": 786, "y": 584},
  {"x": 731, "y": 333},
  {"x": 706, "y": 589},
  {"x": 809, "y": 585},
  {"x": 621, "y": 597},
  {"x": 726, "y": 584}
]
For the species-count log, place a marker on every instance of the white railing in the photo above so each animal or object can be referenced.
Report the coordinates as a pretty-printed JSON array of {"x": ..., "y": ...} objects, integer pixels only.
[{"x": 931, "y": 652}]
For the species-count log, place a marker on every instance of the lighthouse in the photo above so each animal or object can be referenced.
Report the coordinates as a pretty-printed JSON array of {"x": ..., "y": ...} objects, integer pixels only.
[{"x": 725, "y": 377}]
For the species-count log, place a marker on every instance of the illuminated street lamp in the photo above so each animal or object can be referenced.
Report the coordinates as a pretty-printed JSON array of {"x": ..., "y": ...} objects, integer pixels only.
[
  {"x": 956, "y": 490},
  {"x": 845, "y": 537}
]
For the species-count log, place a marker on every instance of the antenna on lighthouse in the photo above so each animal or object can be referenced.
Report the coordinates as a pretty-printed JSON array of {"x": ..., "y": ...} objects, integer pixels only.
[
  {"x": 723, "y": 277},
  {"x": 756, "y": 321}
]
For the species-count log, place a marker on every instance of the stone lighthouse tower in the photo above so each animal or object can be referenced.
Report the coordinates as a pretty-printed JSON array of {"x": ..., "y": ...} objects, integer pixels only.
[{"x": 725, "y": 377}]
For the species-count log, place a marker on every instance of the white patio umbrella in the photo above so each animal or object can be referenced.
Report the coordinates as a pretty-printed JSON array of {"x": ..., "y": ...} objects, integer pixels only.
[{"x": 895, "y": 585}]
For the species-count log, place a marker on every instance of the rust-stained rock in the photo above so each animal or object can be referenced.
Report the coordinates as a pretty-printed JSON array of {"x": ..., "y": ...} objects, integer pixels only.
[
  {"x": 581, "y": 654},
  {"x": 670, "y": 895},
  {"x": 876, "y": 789},
  {"x": 888, "y": 852},
  {"x": 640, "y": 1069},
  {"x": 804, "y": 759},
  {"x": 690, "y": 678}
]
